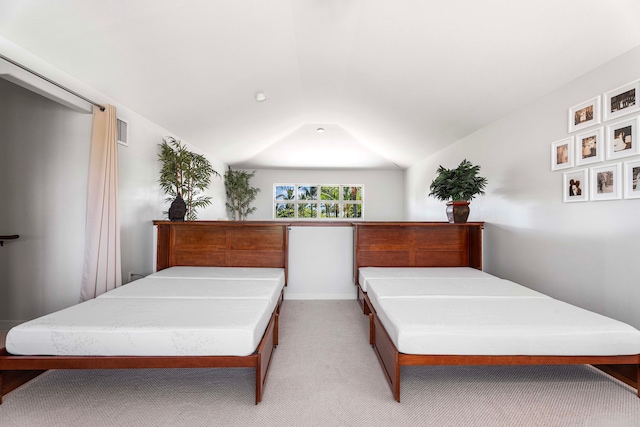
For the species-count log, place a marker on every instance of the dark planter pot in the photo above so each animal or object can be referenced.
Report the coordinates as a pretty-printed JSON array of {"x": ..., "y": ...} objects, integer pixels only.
[
  {"x": 178, "y": 209},
  {"x": 458, "y": 212}
]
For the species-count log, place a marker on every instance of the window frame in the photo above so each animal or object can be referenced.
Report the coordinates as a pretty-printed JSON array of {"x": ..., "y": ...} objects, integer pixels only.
[{"x": 296, "y": 201}]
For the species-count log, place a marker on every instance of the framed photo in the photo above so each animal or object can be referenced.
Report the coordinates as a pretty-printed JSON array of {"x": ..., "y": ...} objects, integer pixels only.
[
  {"x": 621, "y": 101},
  {"x": 622, "y": 139},
  {"x": 606, "y": 182},
  {"x": 584, "y": 115},
  {"x": 590, "y": 147},
  {"x": 575, "y": 185},
  {"x": 632, "y": 180},
  {"x": 562, "y": 154}
]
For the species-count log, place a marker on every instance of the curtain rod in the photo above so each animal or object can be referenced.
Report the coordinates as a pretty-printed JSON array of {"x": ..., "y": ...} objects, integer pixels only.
[{"x": 35, "y": 73}]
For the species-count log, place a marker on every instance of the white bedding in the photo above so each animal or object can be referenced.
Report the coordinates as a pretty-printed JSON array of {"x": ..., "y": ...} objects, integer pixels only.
[
  {"x": 146, "y": 327},
  {"x": 178, "y": 311},
  {"x": 367, "y": 273},
  {"x": 231, "y": 273},
  {"x": 464, "y": 311},
  {"x": 153, "y": 287},
  {"x": 502, "y": 326},
  {"x": 447, "y": 288}
]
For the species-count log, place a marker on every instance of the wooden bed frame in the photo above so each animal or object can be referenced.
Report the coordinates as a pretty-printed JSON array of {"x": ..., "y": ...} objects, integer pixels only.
[
  {"x": 446, "y": 245},
  {"x": 413, "y": 244},
  {"x": 194, "y": 243}
]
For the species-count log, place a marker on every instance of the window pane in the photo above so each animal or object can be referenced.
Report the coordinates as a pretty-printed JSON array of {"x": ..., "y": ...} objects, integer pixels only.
[
  {"x": 330, "y": 193},
  {"x": 285, "y": 210},
  {"x": 352, "y": 211},
  {"x": 307, "y": 193},
  {"x": 307, "y": 210},
  {"x": 285, "y": 192},
  {"x": 329, "y": 210},
  {"x": 352, "y": 193}
]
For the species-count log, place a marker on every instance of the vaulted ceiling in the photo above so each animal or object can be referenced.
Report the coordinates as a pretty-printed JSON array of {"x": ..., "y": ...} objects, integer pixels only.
[{"x": 390, "y": 82}]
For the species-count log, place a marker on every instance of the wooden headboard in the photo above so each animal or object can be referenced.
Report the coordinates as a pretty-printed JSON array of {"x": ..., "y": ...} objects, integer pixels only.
[
  {"x": 418, "y": 244},
  {"x": 415, "y": 244},
  {"x": 222, "y": 244}
]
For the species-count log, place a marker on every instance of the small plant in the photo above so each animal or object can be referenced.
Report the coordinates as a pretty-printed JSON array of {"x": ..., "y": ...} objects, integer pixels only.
[
  {"x": 459, "y": 184},
  {"x": 240, "y": 194},
  {"x": 184, "y": 174}
]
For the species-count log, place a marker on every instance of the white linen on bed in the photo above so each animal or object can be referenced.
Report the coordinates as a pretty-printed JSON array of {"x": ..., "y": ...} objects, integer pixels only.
[
  {"x": 146, "y": 327},
  {"x": 402, "y": 288},
  {"x": 502, "y": 326},
  {"x": 231, "y": 273},
  {"x": 153, "y": 287},
  {"x": 367, "y": 273}
]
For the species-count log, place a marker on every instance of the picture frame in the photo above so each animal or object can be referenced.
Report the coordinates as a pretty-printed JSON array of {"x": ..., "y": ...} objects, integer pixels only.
[
  {"x": 621, "y": 100},
  {"x": 590, "y": 147},
  {"x": 622, "y": 139},
  {"x": 562, "y": 154},
  {"x": 632, "y": 179},
  {"x": 575, "y": 186},
  {"x": 584, "y": 115},
  {"x": 606, "y": 182}
]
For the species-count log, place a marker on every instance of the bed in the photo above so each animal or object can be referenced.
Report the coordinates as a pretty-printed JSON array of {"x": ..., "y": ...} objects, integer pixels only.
[
  {"x": 427, "y": 313},
  {"x": 213, "y": 302}
]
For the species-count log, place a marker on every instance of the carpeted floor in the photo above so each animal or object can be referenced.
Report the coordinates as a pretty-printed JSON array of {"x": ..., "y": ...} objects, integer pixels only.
[{"x": 324, "y": 373}]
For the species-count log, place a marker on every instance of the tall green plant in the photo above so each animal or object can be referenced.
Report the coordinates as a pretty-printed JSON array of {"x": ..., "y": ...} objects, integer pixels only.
[
  {"x": 186, "y": 173},
  {"x": 459, "y": 184},
  {"x": 240, "y": 194}
]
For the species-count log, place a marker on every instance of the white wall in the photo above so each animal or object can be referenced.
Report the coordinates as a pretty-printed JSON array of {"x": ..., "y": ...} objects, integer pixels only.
[
  {"x": 583, "y": 253},
  {"x": 142, "y": 201},
  {"x": 320, "y": 263},
  {"x": 383, "y": 190}
]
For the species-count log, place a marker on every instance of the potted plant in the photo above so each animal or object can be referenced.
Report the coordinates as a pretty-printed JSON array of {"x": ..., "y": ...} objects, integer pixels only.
[
  {"x": 458, "y": 187},
  {"x": 239, "y": 193},
  {"x": 183, "y": 177}
]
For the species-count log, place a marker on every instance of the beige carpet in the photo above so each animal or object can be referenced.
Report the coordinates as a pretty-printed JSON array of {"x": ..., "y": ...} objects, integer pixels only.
[{"x": 324, "y": 373}]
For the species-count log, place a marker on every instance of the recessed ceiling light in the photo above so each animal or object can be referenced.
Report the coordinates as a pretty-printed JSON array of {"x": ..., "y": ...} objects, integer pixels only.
[
  {"x": 320, "y": 130},
  {"x": 261, "y": 97}
]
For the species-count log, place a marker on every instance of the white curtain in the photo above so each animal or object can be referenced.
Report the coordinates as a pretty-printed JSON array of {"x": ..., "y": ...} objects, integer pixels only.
[{"x": 102, "y": 269}]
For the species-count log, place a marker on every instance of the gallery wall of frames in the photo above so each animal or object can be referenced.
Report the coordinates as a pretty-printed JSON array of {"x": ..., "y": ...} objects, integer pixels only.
[{"x": 601, "y": 154}]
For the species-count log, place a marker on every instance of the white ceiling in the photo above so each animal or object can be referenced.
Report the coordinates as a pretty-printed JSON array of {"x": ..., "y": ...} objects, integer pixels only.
[{"x": 391, "y": 82}]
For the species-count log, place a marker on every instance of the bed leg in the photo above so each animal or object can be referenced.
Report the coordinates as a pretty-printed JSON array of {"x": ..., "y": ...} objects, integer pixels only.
[
  {"x": 389, "y": 358},
  {"x": 258, "y": 384},
  {"x": 372, "y": 330},
  {"x": 10, "y": 380},
  {"x": 396, "y": 392},
  {"x": 275, "y": 330}
]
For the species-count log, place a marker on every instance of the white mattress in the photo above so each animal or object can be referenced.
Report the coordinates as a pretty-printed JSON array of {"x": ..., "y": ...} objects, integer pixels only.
[
  {"x": 447, "y": 288},
  {"x": 146, "y": 327},
  {"x": 502, "y": 326},
  {"x": 231, "y": 273},
  {"x": 153, "y": 287},
  {"x": 367, "y": 273}
]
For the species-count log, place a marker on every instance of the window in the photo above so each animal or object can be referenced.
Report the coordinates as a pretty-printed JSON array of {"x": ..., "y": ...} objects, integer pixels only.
[{"x": 318, "y": 201}]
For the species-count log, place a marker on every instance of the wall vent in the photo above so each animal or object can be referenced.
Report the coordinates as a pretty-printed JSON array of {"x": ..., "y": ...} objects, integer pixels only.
[{"x": 123, "y": 132}]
